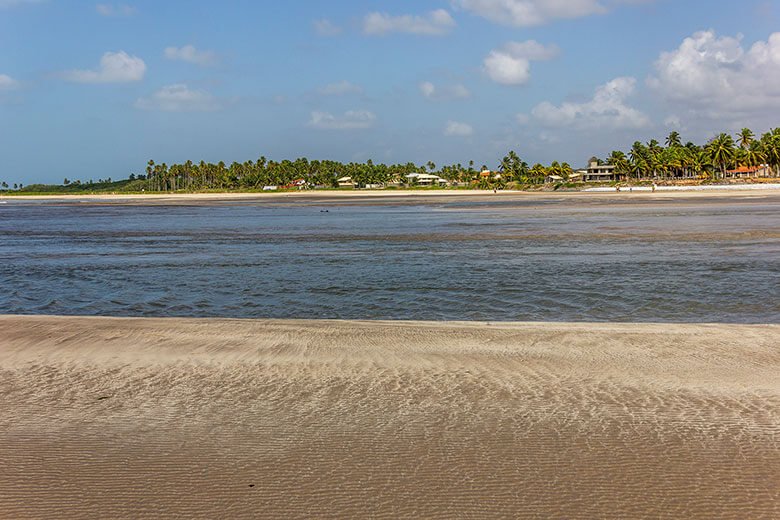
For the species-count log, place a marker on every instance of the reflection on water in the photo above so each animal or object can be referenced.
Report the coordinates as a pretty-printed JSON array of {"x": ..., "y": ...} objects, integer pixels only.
[{"x": 686, "y": 261}]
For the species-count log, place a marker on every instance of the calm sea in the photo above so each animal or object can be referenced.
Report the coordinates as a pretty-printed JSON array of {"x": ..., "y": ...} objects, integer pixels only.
[{"x": 697, "y": 260}]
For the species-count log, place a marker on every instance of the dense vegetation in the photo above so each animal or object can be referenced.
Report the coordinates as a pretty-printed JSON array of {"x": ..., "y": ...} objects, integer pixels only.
[
  {"x": 673, "y": 160},
  {"x": 712, "y": 160}
]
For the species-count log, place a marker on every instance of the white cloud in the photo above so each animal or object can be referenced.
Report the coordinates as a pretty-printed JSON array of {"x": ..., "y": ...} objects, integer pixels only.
[
  {"x": 431, "y": 91},
  {"x": 607, "y": 109},
  {"x": 324, "y": 27},
  {"x": 7, "y": 82},
  {"x": 427, "y": 89},
  {"x": 179, "y": 98},
  {"x": 458, "y": 129},
  {"x": 504, "y": 68},
  {"x": 527, "y": 13},
  {"x": 115, "y": 67},
  {"x": 190, "y": 54},
  {"x": 341, "y": 88},
  {"x": 115, "y": 10},
  {"x": 524, "y": 13},
  {"x": 350, "y": 120},
  {"x": 435, "y": 23},
  {"x": 714, "y": 78},
  {"x": 511, "y": 64}
]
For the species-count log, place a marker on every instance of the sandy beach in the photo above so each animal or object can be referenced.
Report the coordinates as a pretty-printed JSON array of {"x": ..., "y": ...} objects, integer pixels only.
[
  {"x": 416, "y": 196},
  {"x": 162, "y": 418}
]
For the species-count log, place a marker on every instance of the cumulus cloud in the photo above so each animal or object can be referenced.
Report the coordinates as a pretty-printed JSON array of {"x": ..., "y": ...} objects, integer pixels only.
[
  {"x": 179, "y": 98},
  {"x": 435, "y": 23},
  {"x": 511, "y": 64},
  {"x": 714, "y": 77},
  {"x": 431, "y": 91},
  {"x": 458, "y": 129},
  {"x": 350, "y": 120},
  {"x": 607, "y": 109},
  {"x": 115, "y": 67},
  {"x": 190, "y": 54},
  {"x": 341, "y": 88},
  {"x": 7, "y": 82},
  {"x": 324, "y": 27},
  {"x": 115, "y": 10},
  {"x": 527, "y": 13}
]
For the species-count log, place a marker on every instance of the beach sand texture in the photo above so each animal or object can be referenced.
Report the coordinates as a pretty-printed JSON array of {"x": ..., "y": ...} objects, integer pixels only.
[{"x": 160, "y": 418}]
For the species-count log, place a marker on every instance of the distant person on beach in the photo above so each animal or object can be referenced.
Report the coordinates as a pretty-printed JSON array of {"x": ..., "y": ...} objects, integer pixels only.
[{"x": 654, "y": 186}]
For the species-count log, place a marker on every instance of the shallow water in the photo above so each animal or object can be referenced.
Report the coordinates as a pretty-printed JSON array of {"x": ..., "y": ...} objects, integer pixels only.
[{"x": 694, "y": 260}]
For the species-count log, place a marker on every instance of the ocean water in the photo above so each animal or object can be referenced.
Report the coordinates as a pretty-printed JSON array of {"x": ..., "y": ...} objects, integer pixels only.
[{"x": 600, "y": 259}]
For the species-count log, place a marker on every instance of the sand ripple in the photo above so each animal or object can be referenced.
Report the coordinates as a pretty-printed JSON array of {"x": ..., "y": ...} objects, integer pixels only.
[{"x": 149, "y": 418}]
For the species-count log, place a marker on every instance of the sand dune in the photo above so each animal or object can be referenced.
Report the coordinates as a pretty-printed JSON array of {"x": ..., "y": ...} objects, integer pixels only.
[{"x": 150, "y": 418}]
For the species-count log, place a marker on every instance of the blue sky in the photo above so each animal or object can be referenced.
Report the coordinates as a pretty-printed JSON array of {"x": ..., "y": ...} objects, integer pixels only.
[{"x": 94, "y": 90}]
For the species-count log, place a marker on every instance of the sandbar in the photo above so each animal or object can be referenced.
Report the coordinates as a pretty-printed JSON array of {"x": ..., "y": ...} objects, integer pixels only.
[
  {"x": 219, "y": 418},
  {"x": 672, "y": 193}
]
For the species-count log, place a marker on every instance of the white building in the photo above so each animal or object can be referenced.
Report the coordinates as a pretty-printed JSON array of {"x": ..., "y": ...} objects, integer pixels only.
[
  {"x": 599, "y": 172},
  {"x": 426, "y": 179},
  {"x": 346, "y": 182}
]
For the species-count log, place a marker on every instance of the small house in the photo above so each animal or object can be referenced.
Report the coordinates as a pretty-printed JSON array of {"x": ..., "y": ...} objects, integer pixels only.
[
  {"x": 346, "y": 182},
  {"x": 426, "y": 179}
]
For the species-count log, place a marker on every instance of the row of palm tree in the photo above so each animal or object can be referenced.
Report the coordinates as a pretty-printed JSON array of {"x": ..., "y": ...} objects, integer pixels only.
[
  {"x": 714, "y": 159},
  {"x": 191, "y": 176},
  {"x": 650, "y": 160},
  {"x": 264, "y": 172}
]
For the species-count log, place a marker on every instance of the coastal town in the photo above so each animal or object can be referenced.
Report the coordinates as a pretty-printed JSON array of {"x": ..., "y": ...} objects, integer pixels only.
[{"x": 725, "y": 159}]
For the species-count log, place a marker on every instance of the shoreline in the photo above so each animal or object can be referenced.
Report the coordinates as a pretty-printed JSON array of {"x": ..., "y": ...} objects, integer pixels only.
[
  {"x": 645, "y": 193},
  {"x": 199, "y": 418}
]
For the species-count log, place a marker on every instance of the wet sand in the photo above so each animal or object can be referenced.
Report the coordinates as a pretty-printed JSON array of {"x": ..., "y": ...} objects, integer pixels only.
[{"x": 160, "y": 418}]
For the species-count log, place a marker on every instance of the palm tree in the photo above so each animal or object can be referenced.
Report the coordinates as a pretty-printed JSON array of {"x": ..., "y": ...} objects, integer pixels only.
[
  {"x": 673, "y": 161},
  {"x": 654, "y": 150},
  {"x": 619, "y": 160},
  {"x": 506, "y": 167},
  {"x": 754, "y": 155},
  {"x": 770, "y": 142},
  {"x": 673, "y": 139},
  {"x": 699, "y": 162},
  {"x": 744, "y": 138},
  {"x": 149, "y": 171},
  {"x": 721, "y": 152},
  {"x": 566, "y": 171},
  {"x": 164, "y": 174},
  {"x": 639, "y": 159},
  {"x": 538, "y": 173}
]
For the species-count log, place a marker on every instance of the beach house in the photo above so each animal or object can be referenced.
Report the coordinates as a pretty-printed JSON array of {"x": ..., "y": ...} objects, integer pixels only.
[
  {"x": 425, "y": 179},
  {"x": 487, "y": 174},
  {"x": 346, "y": 182},
  {"x": 596, "y": 172},
  {"x": 749, "y": 171}
]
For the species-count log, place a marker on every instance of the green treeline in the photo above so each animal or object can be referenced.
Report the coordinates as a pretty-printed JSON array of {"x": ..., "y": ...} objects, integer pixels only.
[
  {"x": 672, "y": 160},
  {"x": 713, "y": 160}
]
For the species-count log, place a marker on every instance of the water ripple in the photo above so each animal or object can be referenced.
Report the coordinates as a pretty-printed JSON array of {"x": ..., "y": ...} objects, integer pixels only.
[{"x": 544, "y": 262}]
